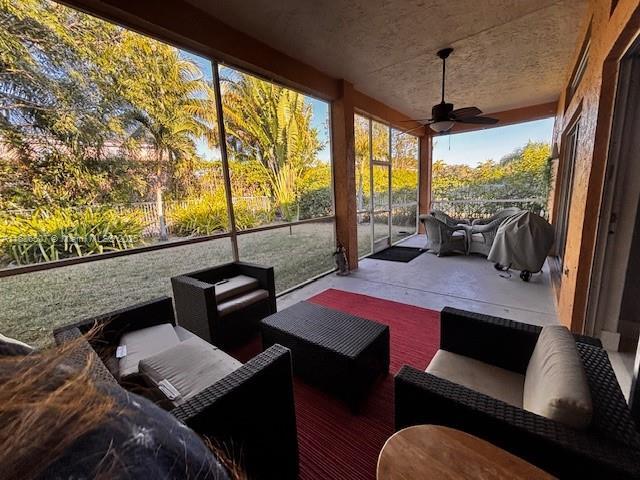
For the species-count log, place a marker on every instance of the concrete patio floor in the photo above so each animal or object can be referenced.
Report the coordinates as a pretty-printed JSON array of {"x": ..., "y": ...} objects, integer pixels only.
[
  {"x": 428, "y": 281},
  {"x": 465, "y": 282}
]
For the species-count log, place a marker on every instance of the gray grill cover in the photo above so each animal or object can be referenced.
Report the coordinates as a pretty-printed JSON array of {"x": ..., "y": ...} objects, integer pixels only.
[{"x": 523, "y": 242}]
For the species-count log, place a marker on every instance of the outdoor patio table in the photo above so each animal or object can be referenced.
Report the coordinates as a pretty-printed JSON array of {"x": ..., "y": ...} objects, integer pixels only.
[{"x": 437, "y": 452}]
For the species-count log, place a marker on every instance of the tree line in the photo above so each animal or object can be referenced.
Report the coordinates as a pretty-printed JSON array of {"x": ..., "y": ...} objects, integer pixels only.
[
  {"x": 524, "y": 173},
  {"x": 93, "y": 113}
]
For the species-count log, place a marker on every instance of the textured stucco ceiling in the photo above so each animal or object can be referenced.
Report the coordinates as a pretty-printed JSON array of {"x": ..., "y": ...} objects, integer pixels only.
[{"x": 508, "y": 53}]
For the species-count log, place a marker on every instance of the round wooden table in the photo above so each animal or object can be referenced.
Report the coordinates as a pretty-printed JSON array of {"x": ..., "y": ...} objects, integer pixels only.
[{"x": 435, "y": 452}]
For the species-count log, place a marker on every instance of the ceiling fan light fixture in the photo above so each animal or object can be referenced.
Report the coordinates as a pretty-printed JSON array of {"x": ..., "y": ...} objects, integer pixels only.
[{"x": 442, "y": 126}]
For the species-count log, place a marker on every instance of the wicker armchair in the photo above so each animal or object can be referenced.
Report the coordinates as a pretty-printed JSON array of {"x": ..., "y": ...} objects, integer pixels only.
[
  {"x": 250, "y": 413},
  {"x": 502, "y": 214},
  {"x": 481, "y": 236},
  {"x": 442, "y": 238},
  {"x": 450, "y": 221},
  {"x": 608, "y": 448},
  {"x": 197, "y": 305}
]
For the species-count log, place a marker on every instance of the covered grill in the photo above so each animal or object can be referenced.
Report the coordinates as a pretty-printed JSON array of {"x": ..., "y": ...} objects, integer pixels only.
[{"x": 522, "y": 242}]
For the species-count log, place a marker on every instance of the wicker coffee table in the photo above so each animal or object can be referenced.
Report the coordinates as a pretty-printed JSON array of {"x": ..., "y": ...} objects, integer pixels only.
[{"x": 335, "y": 351}]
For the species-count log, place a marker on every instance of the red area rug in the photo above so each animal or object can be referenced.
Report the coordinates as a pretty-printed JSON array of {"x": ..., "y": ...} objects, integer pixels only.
[{"x": 334, "y": 444}]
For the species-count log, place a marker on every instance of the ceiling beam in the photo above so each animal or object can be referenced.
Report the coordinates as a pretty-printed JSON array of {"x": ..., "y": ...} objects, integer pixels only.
[
  {"x": 185, "y": 26},
  {"x": 380, "y": 111}
]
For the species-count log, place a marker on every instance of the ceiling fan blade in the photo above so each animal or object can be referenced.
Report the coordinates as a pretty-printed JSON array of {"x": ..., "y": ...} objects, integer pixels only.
[
  {"x": 465, "y": 112},
  {"x": 411, "y": 130},
  {"x": 478, "y": 120},
  {"x": 415, "y": 120}
]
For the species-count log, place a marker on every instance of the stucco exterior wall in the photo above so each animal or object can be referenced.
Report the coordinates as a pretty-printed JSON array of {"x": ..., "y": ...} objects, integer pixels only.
[{"x": 611, "y": 34}]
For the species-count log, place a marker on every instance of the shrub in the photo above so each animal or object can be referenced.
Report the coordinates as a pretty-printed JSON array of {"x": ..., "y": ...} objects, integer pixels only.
[
  {"x": 48, "y": 235},
  {"x": 404, "y": 195},
  {"x": 199, "y": 217},
  {"x": 316, "y": 203},
  {"x": 404, "y": 216},
  {"x": 207, "y": 214}
]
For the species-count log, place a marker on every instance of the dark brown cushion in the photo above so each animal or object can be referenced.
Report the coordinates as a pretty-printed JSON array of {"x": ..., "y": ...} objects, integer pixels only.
[{"x": 237, "y": 303}]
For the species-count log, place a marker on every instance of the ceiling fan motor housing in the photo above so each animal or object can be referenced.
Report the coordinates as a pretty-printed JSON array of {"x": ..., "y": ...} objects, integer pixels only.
[
  {"x": 445, "y": 52},
  {"x": 441, "y": 111}
]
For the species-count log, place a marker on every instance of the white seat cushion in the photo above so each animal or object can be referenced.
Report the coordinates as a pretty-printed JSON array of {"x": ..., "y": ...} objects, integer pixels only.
[
  {"x": 190, "y": 367},
  {"x": 234, "y": 287},
  {"x": 458, "y": 233},
  {"x": 477, "y": 237},
  {"x": 236, "y": 303},
  {"x": 144, "y": 343},
  {"x": 555, "y": 385},
  {"x": 479, "y": 376},
  {"x": 12, "y": 346}
]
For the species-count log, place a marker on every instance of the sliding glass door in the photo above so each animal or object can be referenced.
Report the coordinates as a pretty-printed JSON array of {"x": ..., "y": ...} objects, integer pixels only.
[
  {"x": 386, "y": 184},
  {"x": 566, "y": 191},
  {"x": 404, "y": 185},
  {"x": 381, "y": 209}
]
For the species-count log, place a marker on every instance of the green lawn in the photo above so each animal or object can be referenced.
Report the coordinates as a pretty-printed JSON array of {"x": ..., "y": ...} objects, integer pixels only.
[
  {"x": 398, "y": 232},
  {"x": 32, "y": 304}
]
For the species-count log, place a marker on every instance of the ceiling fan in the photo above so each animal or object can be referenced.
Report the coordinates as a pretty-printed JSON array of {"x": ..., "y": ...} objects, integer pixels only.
[{"x": 444, "y": 117}]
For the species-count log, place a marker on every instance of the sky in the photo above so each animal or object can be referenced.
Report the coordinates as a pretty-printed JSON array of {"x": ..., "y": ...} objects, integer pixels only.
[
  {"x": 319, "y": 109},
  {"x": 472, "y": 148}
]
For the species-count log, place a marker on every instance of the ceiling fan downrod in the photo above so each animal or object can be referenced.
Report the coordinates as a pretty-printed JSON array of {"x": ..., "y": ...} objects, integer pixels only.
[{"x": 444, "y": 54}]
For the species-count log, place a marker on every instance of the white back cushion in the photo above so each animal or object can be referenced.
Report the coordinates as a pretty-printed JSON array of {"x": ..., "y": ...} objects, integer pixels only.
[
  {"x": 143, "y": 343},
  {"x": 14, "y": 341},
  {"x": 555, "y": 385},
  {"x": 10, "y": 346}
]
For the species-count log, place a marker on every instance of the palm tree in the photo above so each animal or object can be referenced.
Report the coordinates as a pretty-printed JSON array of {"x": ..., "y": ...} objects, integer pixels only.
[
  {"x": 172, "y": 106},
  {"x": 271, "y": 124}
]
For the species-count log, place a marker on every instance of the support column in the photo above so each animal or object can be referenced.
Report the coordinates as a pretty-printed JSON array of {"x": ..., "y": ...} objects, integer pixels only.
[
  {"x": 344, "y": 174},
  {"x": 424, "y": 178},
  {"x": 222, "y": 135}
]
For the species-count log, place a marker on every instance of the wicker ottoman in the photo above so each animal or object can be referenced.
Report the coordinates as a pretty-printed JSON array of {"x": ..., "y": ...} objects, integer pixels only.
[{"x": 338, "y": 352}]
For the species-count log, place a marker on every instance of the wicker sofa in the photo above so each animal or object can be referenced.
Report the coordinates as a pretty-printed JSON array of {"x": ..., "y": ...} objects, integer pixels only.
[
  {"x": 250, "y": 412},
  {"x": 226, "y": 313},
  {"x": 608, "y": 448}
]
